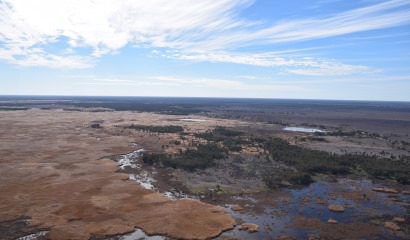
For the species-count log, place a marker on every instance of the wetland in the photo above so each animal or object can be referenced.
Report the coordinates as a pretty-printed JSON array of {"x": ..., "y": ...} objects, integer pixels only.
[{"x": 154, "y": 168}]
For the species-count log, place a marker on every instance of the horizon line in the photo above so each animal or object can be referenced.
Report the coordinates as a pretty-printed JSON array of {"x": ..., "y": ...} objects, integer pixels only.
[{"x": 250, "y": 98}]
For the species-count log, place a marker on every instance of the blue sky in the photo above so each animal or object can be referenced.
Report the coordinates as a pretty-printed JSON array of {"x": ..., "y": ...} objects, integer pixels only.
[{"x": 305, "y": 49}]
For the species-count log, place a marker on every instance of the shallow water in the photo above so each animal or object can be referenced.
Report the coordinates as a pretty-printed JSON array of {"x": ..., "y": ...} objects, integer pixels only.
[
  {"x": 192, "y": 120},
  {"x": 174, "y": 195},
  {"x": 139, "y": 234},
  {"x": 144, "y": 179},
  {"x": 33, "y": 236},
  {"x": 129, "y": 160},
  {"x": 302, "y": 129},
  {"x": 278, "y": 220}
]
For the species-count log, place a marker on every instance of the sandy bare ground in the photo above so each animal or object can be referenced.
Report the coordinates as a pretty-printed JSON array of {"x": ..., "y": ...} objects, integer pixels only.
[{"x": 50, "y": 172}]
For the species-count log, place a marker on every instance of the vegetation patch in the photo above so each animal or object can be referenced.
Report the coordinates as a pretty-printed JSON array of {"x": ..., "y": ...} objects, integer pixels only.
[
  {"x": 287, "y": 178},
  {"x": 95, "y": 125},
  {"x": 341, "y": 133},
  {"x": 13, "y": 109},
  {"x": 158, "y": 129},
  {"x": 231, "y": 139},
  {"x": 309, "y": 161},
  {"x": 202, "y": 157}
]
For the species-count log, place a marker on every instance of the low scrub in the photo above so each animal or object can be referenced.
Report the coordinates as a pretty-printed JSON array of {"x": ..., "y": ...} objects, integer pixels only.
[
  {"x": 158, "y": 129},
  {"x": 286, "y": 178}
]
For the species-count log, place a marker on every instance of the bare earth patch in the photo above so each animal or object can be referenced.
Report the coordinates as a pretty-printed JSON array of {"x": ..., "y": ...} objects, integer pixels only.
[{"x": 50, "y": 172}]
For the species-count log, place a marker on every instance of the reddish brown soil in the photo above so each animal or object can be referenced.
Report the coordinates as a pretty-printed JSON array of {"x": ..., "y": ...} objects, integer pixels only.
[{"x": 50, "y": 172}]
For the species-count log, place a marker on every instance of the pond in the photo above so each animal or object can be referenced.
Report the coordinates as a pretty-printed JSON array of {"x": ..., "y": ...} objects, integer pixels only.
[
  {"x": 192, "y": 120},
  {"x": 302, "y": 129}
]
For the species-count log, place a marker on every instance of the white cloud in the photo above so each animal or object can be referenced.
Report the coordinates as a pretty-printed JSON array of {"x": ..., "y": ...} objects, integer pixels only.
[
  {"x": 38, "y": 57},
  {"x": 191, "y": 82},
  {"x": 227, "y": 84},
  {"x": 301, "y": 66},
  {"x": 121, "y": 82},
  {"x": 206, "y": 82},
  {"x": 115, "y": 80},
  {"x": 383, "y": 15},
  {"x": 329, "y": 68},
  {"x": 76, "y": 76},
  {"x": 248, "y": 77},
  {"x": 27, "y": 28},
  {"x": 107, "y": 26}
]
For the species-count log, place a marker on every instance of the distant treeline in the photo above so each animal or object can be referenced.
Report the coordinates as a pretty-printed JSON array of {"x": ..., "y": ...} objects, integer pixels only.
[
  {"x": 341, "y": 133},
  {"x": 13, "y": 109},
  {"x": 158, "y": 129},
  {"x": 162, "y": 108}
]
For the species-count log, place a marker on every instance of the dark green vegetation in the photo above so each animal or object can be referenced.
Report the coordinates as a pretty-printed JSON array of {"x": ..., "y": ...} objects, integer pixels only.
[
  {"x": 95, "y": 125},
  {"x": 13, "y": 109},
  {"x": 219, "y": 134},
  {"x": 202, "y": 157},
  {"x": 231, "y": 139},
  {"x": 310, "y": 138},
  {"x": 162, "y": 108},
  {"x": 158, "y": 129},
  {"x": 280, "y": 180},
  {"x": 309, "y": 161},
  {"x": 341, "y": 133}
]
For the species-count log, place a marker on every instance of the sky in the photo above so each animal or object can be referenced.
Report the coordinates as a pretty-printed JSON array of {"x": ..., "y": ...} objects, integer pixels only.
[{"x": 304, "y": 49}]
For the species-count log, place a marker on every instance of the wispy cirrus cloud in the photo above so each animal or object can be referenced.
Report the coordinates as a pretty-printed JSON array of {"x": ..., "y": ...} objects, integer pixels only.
[
  {"x": 205, "y": 82},
  {"x": 301, "y": 66},
  {"x": 382, "y": 15},
  {"x": 228, "y": 84},
  {"x": 28, "y": 28},
  {"x": 189, "y": 82}
]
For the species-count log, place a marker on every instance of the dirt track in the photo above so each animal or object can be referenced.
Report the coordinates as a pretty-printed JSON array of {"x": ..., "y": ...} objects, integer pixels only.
[{"x": 50, "y": 172}]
